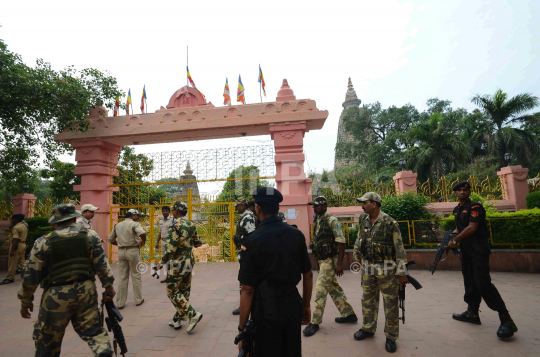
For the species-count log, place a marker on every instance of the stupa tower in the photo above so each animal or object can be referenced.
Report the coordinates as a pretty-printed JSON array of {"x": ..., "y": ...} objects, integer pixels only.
[{"x": 351, "y": 100}]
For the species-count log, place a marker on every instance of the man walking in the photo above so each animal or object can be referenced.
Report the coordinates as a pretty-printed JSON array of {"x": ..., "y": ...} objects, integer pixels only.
[
  {"x": 180, "y": 259},
  {"x": 126, "y": 236},
  {"x": 244, "y": 227},
  {"x": 88, "y": 212},
  {"x": 65, "y": 262},
  {"x": 17, "y": 246},
  {"x": 328, "y": 245},
  {"x": 473, "y": 237},
  {"x": 164, "y": 225},
  {"x": 380, "y": 249}
]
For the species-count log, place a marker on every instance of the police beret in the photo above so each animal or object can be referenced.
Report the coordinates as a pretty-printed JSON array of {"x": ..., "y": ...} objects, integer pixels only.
[
  {"x": 18, "y": 216},
  {"x": 463, "y": 184},
  {"x": 267, "y": 195}
]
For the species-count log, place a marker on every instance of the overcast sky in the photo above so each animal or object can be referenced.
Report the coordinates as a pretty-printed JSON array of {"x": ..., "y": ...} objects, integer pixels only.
[{"x": 396, "y": 52}]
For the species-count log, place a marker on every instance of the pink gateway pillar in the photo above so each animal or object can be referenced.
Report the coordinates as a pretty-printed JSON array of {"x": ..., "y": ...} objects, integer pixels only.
[{"x": 291, "y": 179}]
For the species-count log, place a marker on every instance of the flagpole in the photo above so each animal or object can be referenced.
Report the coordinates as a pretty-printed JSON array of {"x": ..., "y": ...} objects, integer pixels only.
[
  {"x": 260, "y": 89},
  {"x": 187, "y": 64}
]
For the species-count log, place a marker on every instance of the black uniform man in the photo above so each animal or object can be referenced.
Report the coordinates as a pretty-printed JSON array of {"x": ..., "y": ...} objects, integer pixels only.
[
  {"x": 474, "y": 239},
  {"x": 274, "y": 258}
]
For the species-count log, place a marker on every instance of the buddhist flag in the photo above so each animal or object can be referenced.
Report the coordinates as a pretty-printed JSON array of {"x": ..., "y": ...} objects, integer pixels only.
[
  {"x": 128, "y": 103},
  {"x": 116, "y": 106},
  {"x": 261, "y": 81},
  {"x": 193, "y": 83},
  {"x": 226, "y": 93},
  {"x": 143, "y": 99},
  {"x": 240, "y": 94}
]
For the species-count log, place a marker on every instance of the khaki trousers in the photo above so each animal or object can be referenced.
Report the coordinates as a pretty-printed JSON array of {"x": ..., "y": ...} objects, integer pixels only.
[
  {"x": 13, "y": 261},
  {"x": 128, "y": 261}
]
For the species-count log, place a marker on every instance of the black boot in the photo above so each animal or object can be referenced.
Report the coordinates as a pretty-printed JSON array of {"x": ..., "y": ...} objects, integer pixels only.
[
  {"x": 351, "y": 318},
  {"x": 468, "y": 316},
  {"x": 236, "y": 312},
  {"x": 362, "y": 335},
  {"x": 508, "y": 327},
  {"x": 390, "y": 345},
  {"x": 310, "y": 330}
]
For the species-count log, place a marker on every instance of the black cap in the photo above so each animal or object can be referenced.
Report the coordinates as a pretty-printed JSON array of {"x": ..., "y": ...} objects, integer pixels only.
[
  {"x": 459, "y": 185},
  {"x": 267, "y": 195},
  {"x": 18, "y": 216}
]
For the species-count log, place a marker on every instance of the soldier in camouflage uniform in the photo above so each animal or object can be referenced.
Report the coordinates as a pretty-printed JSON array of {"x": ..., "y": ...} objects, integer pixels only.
[
  {"x": 247, "y": 223},
  {"x": 65, "y": 263},
  {"x": 328, "y": 245},
  {"x": 179, "y": 256},
  {"x": 380, "y": 249}
]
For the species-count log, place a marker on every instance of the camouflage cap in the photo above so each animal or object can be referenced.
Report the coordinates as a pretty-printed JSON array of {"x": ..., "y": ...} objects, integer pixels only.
[
  {"x": 241, "y": 201},
  {"x": 180, "y": 206},
  {"x": 319, "y": 200},
  {"x": 63, "y": 212},
  {"x": 370, "y": 196},
  {"x": 463, "y": 184}
]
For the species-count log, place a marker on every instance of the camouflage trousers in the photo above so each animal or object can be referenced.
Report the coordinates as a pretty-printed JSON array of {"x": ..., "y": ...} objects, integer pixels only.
[
  {"x": 178, "y": 291},
  {"x": 77, "y": 303},
  {"x": 327, "y": 284},
  {"x": 387, "y": 285}
]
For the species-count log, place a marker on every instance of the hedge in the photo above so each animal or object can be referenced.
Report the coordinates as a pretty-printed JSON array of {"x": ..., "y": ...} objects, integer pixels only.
[
  {"x": 533, "y": 200},
  {"x": 37, "y": 227}
]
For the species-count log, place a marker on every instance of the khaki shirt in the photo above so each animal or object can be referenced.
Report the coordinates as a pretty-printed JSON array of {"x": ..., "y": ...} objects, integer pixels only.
[
  {"x": 164, "y": 226},
  {"x": 84, "y": 223},
  {"x": 127, "y": 232},
  {"x": 20, "y": 232}
]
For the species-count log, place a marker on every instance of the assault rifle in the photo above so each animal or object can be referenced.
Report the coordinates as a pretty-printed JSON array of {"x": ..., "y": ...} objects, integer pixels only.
[
  {"x": 246, "y": 336},
  {"x": 414, "y": 283},
  {"x": 442, "y": 248},
  {"x": 113, "y": 324}
]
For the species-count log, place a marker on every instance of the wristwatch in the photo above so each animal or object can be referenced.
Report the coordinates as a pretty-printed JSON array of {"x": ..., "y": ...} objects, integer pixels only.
[
  {"x": 240, "y": 329},
  {"x": 454, "y": 241}
]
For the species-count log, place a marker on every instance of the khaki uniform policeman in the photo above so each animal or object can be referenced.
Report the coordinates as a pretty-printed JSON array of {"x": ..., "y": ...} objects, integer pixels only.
[
  {"x": 126, "y": 236},
  {"x": 328, "y": 245},
  {"x": 88, "y": 211},
  {"x": 179, "y": 257},
  {"x": 380, "y": 249},
  {"x": 65, "y": 263},
  {"x": 164, "y": 225},
  {"x": 244, "y": 227},
  {"x": 17, "y": 246}
]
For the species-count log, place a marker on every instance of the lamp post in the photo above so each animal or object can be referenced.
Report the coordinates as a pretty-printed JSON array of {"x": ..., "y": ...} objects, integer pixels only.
[
  {"x": 402, "y": 163},
  {"x": 508, "y": 158},
  {"x": 26, "y": 187}
]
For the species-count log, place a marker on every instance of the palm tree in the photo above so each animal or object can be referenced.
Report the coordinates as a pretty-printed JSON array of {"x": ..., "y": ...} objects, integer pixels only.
[
  {"x": 439, "y": 149},
  {"x": 502, "y": 112}
]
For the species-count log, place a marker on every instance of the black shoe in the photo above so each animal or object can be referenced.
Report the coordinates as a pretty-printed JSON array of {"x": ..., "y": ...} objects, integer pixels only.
[
  {"x": 310, "y": 330},
  {"x": 507, "y": 329},
  {"x": 467, "y": 316},
  {"x": 362, "y": 335},
  {"x": 351, "y": 318},
  {"x": 390, "y": 345},
  {"x": 236, "y": 312}
]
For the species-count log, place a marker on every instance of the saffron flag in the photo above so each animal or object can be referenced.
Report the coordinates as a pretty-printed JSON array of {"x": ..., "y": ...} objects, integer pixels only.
[
  {"x": 261, "y": 81},
  {"x": 116, "y": 106},
  {"x": 193, "y": 83},
  {"x": 240, "y": 94},
  {"x": 143, "y": 99},
  {"x": 128, "y": 103},
  {"x": 226, "y": 93}
]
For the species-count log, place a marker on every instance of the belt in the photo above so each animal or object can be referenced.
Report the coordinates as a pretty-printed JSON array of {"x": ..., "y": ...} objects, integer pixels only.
[
  {"x": 130, "y": 246},
  {"x": 69, "y": 282}
]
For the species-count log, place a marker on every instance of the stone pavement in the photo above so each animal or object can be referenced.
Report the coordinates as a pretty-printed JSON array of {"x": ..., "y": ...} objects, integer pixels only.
[{"x": 429, "y": 328}]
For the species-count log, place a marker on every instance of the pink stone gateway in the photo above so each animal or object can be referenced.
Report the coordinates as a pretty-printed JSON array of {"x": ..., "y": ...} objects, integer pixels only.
[{"x": 188, "y": 118}]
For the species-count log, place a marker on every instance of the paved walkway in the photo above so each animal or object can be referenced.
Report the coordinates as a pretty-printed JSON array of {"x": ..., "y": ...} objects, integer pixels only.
[{"x": 429, "y": 328}]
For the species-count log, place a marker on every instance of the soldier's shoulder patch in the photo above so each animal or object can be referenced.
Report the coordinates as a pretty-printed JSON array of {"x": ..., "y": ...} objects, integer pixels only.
[
  {"x": 475, "y": 206},
  {"x": 474, "y": 213}
]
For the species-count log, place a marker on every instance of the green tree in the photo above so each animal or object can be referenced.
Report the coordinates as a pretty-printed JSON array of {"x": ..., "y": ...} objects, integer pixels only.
[
  {"x": 502, "y": 112},
  {"x": 37, "y": 102},
  {"x": 63, "y": 179},
  {"x": 241, "y": 188},
  {"x": 439, "y": 149}
]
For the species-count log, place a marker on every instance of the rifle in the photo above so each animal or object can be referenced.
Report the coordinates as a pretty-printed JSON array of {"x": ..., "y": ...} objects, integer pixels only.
[
  {"x": 442, "y": 249},
  {"x": 113, "y": 324},
  {"x": 414, "y": 283},
  {"x": 246, "y": 336}
]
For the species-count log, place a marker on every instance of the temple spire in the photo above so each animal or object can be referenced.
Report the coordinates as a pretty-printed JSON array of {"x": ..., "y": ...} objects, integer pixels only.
[
  {"x": 350, "y": 97},
  {"x": 188, "y": 171}
]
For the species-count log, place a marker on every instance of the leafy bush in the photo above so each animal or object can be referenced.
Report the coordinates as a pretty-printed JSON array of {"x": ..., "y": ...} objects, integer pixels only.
[
  {"x": 533, "y": 200},
  {"x": 34, "y": 223},
  {"x": 37, "y": 227},
  {"x": 406, "y": 207}
]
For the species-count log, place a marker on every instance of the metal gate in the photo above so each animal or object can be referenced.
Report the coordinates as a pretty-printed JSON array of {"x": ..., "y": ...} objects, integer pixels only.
[{"x": 215, "y": 222}]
